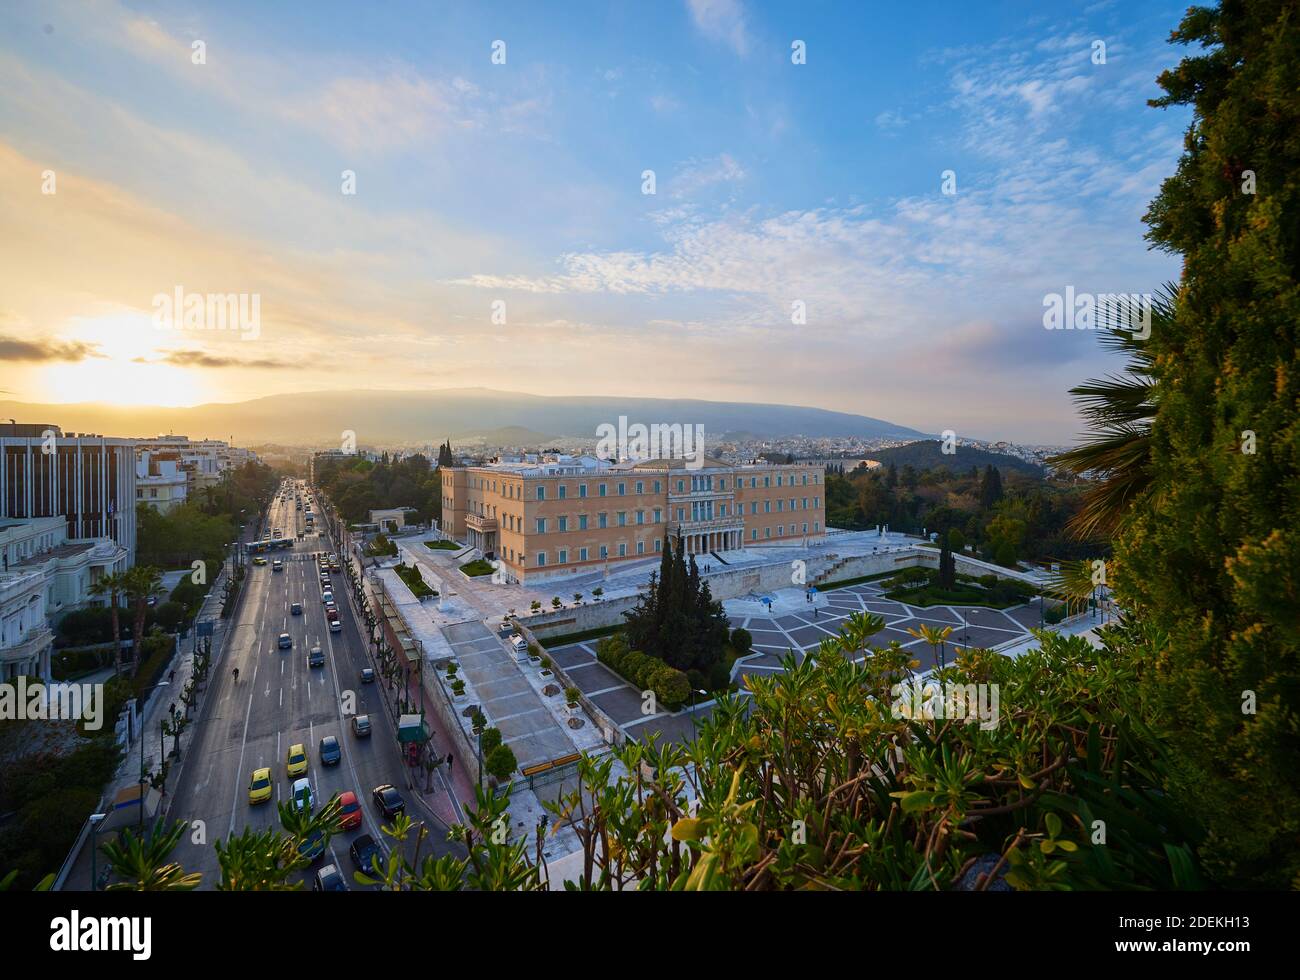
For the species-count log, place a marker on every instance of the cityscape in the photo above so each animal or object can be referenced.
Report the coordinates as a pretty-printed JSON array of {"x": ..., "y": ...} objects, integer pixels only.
[{"x": 718, "y": 445}]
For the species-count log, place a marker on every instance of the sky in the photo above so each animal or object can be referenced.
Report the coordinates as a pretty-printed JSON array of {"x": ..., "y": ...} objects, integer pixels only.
[{"x": 430, "y": 195}]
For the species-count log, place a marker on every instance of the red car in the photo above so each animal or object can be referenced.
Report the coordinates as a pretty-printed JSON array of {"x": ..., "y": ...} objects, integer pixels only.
[{"x": 349, "y": 810}]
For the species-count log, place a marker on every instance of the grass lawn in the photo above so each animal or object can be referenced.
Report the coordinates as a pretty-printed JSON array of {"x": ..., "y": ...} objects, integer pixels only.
[
  {"x": 443, "y": 545},
  {"x": 411, "y": 576},
  {"x": 479, "y": 566}
]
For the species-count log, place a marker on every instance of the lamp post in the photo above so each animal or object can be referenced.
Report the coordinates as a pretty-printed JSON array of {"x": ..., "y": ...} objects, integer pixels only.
[{"x": 695, "y": 727}]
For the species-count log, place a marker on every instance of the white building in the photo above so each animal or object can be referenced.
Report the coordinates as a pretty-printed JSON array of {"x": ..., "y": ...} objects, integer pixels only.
[
  {"x": 69, "y": 567},
  {"x": 160, "y": 479},
  {"x": 25, "y": 636},
  {"x": 205, "y": 462}
]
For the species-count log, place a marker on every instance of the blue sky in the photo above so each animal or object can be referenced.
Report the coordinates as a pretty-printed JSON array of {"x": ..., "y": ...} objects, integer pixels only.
[{"x": 521, "y": 183}]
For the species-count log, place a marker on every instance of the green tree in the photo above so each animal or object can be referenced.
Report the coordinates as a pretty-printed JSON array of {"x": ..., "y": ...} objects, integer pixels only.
[
  {"x": 112, "y": 585},
  {"x": 1209, "y": 558}
]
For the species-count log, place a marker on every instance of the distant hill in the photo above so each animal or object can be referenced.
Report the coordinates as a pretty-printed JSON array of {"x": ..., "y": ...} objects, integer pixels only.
[
  {"x": 386, "y": 417},
  {"x": 929, "y": 455}
]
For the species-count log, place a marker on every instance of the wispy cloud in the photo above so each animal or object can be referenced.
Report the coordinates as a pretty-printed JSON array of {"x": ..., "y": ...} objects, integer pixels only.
[
  {"x": 14, "y": 349},
  {"x": 202, "y": 359},
  {"x": 721, "y": 20}
]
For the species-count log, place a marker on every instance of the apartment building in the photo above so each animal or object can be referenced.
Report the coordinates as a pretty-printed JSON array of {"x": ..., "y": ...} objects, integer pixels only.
[
  {"x": 546, "y": 517},
  {"x": 204, "y": 463}
]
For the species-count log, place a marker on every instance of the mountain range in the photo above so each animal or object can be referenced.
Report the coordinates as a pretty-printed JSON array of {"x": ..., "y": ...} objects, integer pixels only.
[{"x": 405, "y": 417}]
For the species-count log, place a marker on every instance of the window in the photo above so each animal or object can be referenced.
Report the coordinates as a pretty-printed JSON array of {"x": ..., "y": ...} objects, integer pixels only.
[
  {"x": 582, "y": 490},
  {"x": 780, "y": 505},
  {"x": 722, "y": 483},
  {"x": 681, "y": 513},
  {"x": 767, "y": 506},
  {"x": 602, "y": 520},
  {"x": 582, "y": 554},
  {"x": 658, "y": 487},
  {"x": 563, "y": 557},
  {"x": 780, "y": 530},
  {"x": 681, "y": 486},
  {"x": 753, "y": 534},
  {"x": 541, "y": 558},
  {"x": 805, "y": 527},
  {"x": 564, "y": 526},
  {"x": 640, "y": 486},
  {"x": 600, "y": 490},
  {"x": 640, "y": 517},
  {"x": 541, "y": 493},
  {"x": 622, "y": 518},
  {"x": 622, "y": 550},
  {"x": 658, "y": 545},
  {"x": 604, "y": 551},
  {"x": 563, "y": 491},
  {"x": 753, "y": 506},
  {"x": 541, "y": 525},
  {"x": 622, "y": 489},
  {"x": 767, "y": 532},
  {"x": 778, "y": 479},
  {"x": 658, "y": 515},
  {"x": 640, "y": 547},
  {"x": 582, "y": 522},
  {"x": 805, "y": 503},
  {"x": 805, "y": 479},
  {"x": 817, "y": 526},
  {"x": 767, "y": 481}
]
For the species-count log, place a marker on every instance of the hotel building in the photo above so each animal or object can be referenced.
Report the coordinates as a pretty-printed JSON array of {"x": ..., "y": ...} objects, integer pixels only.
[{"x": 546, "y": 517}]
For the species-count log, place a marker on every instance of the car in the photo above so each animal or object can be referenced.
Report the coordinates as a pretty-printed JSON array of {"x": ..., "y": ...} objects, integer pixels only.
[
  {"x": 296, "y": 609},
  {"x": 316, "y": 657},
  {"x": 296, "y": 760},
  {"x": 285, "y": 641},
  {"x": 330, "y": 753},
  {"x": 259, "y": 786},
  {"x": 327, "y": 596},
  {"x": 361, "y": 726},
  {"x": 336, "y": 626},
  {"x": 365, "y": 852},
  {"x": 367, "y": 675},
  {"x": 388, "y": 800},
  {"x": 302, "y": 798},
  {"x": 331, "y": 607},
  {"x": 259, "y": 560},
  {"x": 349, "y": 810},
  {"x": 277, "y": 566},
  {"x": 329, "y": 879}
]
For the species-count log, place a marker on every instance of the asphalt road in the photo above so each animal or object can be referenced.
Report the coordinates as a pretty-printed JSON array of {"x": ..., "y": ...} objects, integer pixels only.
[{"x": 279, "y": 701}]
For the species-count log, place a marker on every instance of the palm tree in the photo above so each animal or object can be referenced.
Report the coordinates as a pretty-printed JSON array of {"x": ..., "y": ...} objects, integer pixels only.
[
  {"x": 139, "y": 583},
  {"x": 936, "y": 637},
  {"x": 112, "y": 585},
  {"x": 1118, "y": 411},
  {"x": 142, "y": 861},
  {"x": 259, "y": 861}
]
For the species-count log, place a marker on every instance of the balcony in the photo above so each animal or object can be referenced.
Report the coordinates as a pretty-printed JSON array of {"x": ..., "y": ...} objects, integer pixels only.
[
  {"x": 35, "y": 642},
  {"x": 478, "y": 522}
]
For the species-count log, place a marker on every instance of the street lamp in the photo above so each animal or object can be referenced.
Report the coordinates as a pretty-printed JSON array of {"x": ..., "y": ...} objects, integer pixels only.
[{"x": 695, "y": 728}]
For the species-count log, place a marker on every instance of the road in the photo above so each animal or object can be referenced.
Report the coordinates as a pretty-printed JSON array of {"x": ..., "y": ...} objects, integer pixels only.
[{"x": 278, "y": 701}]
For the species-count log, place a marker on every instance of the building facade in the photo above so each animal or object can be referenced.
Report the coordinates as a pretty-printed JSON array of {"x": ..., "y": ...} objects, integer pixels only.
[
  {"x": 88, "y": 480},
  {"x": 160, "y": 480},
  {"x": 546, "y": 517}
]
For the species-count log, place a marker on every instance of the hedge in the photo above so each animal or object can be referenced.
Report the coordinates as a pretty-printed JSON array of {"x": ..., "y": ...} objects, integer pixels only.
[{"x": 671, "y": 686}]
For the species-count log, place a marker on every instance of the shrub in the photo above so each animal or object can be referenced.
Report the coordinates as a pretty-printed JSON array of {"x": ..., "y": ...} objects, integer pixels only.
[
  {"x": 571, "y": 694},
  {"x": 500, "y": 762},
  {"x": 741, "y": 641},
  {"x": 490, "y": 739}
]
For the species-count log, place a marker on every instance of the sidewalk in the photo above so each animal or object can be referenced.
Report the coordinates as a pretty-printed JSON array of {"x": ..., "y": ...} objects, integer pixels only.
[{"x": 128, "y": 771}]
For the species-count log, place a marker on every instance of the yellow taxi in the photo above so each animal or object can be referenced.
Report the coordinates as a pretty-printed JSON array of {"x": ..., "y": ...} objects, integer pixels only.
[
  {"x": 259, "y": 560},
  {"x": 297, "y": 761},
  {"x": 259, "y": 787}
]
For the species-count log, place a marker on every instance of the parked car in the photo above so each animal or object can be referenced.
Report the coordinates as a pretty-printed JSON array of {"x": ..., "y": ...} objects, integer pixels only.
[
  {"x": 335, "y": 626},
  {"x": 361, "y": 726},
  {"x": 330, "y": 753},
  {"x": 367, "y": 675},
  {"x": 316, "y": 658},
  {"x": 364, "y": 852},
  {"x": 388, "y": 800},
  {"x": 327, "y": 596},
  {"x": 329, "y": 879},
  {"x": 285, "y": 641}
]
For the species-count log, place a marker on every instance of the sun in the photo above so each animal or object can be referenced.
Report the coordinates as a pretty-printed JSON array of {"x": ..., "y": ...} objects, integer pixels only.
[{"x": 125, "y": 372}]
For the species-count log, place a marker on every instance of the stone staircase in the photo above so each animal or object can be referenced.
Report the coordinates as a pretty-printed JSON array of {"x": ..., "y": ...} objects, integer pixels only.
[{"x": 831, "y": 572}]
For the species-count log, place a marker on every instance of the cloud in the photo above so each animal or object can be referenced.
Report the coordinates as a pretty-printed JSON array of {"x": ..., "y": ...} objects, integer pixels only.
[
  {"x": 202, "y": 359},
  {"x": 697, "y": 175},
  {"x": 723, "y": 21},
  {"x": 13, "y": 349}
]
